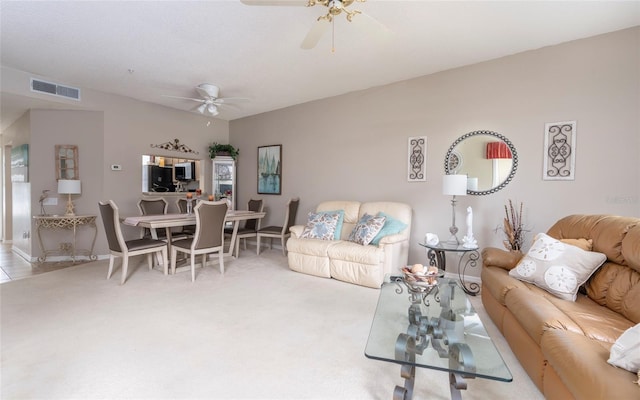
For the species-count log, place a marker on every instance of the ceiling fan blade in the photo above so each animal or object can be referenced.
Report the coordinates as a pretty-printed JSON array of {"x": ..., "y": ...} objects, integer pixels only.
[
  {"x": 184, "y": 98},
  {"x": 226, "y": 106},
  {"x": 316, "y": 32},
  {"x": 228, "y": 100},
  {"x": 373, "y": 27},
  {"x": 275, "y": 2}
]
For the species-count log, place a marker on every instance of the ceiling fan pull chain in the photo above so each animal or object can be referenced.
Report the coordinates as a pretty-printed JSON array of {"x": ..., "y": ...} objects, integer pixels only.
[{"x": 333, "y": 36}]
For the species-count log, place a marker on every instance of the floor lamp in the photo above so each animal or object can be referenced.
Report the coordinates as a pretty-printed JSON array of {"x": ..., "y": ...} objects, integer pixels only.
[
  {"x": 69, "y": 187},
  {"x": 454, "y": 185}
]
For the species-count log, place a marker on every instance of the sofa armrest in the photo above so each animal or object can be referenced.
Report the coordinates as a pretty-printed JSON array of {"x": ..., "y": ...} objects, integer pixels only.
[
  {"x": 494, "y": 257},
  {"x": 391, "y": 239},
  {"x": 296, "y": 231}
]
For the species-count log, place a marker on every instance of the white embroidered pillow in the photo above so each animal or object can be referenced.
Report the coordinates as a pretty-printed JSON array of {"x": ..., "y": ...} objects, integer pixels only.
[
  {"x": 366, "y": 229},
  {"x": 321, "y": 226},
  {"x": 557, "y": 267},
  {"x": 625, "y": 352}
]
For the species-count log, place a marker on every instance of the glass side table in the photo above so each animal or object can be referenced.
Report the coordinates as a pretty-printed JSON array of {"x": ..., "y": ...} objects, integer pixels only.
[{"x": 468, "y": 258}]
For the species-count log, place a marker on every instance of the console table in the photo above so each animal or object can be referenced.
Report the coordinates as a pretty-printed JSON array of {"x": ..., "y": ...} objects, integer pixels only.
[
  {"x": 437, "y": 256},
  {"x": 67, "y": 222}
]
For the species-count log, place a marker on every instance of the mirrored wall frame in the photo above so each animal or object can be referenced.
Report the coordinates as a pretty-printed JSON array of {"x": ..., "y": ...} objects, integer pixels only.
[
  {"x": 67, "y": 162},
  {"x": 165, "y": 174},
  {"x": 452, "y": 161}
]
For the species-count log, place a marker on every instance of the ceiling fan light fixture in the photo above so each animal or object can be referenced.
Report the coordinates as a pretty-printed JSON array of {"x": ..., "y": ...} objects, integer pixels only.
[
  {"x": 202, "y": 108},
  {"x": 213, "y": 110}
]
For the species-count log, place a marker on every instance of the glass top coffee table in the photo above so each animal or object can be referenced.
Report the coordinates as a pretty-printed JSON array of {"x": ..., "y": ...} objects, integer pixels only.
[{"x": 436, "y": 327}]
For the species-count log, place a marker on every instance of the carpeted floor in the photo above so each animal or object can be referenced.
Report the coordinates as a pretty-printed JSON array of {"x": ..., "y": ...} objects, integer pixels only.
[{"x": 260, "y": 331}]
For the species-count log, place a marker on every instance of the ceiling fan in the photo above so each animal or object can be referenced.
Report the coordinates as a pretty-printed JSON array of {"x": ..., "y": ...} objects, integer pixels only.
[
  {"x": 323, "y": 23},
  {"x": 210, "y": 102}
]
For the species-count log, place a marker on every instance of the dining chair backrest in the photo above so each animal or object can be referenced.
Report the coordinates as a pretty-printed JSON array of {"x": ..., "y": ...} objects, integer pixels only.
[
  {"x": 111, "y": 222},
  {"x": 210, "y": 219},
  {"x": 290, "y": 217},
  {"x": 182, "y": 205},
  {"x": 256, "y": 206},
  {"x": 155, "y": 206}
]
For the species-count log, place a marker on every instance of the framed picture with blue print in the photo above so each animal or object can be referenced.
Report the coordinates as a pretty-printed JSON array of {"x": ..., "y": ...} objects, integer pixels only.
[{"x": 270, "y": 169}]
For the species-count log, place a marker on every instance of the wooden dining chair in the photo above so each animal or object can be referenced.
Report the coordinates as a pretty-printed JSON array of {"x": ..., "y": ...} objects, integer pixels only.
[
  {"x": 281, "y": 232},
  {"x": 208, "y": 238},
  {"x": 250, "y": 227},
  {"x": 181, "y": 204},
  {"x": 153, "y": 206},
  {"x": 119, "y": 247}
]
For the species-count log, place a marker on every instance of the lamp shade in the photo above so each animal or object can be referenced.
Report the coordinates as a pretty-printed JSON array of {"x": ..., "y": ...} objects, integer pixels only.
[
  {"x": 454, "y": 185},
  {"x": 498, "y": 150},
  {"x": 69, "y": 186}
]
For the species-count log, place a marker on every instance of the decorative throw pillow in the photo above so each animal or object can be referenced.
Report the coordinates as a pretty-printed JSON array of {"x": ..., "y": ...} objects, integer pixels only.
[
  {"x": 557, "y": 267},
  {"x": 338, "y": 231},
  {"x": 584, "y": 244},
  {"x": 366, "y": 229},
  {"x": 625, "y": 352},
  {"x": 321, "y": 226},
  {"x": 391, "y": 227}
]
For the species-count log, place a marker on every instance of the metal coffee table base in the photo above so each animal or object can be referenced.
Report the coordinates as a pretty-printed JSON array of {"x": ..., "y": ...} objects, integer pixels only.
[
  {"x": 406, "y": 351},
  {"x": 432, "y": 326}
]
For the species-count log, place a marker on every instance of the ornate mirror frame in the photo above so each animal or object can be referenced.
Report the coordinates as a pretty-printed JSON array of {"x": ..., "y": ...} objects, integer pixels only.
[
  {"x": 67, "y": 162},
  {"x": 454, "y": 155}
]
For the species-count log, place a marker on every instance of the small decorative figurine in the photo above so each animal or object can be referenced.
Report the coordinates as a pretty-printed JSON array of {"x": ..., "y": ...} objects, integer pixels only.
[{"x": 468, "y": 241}]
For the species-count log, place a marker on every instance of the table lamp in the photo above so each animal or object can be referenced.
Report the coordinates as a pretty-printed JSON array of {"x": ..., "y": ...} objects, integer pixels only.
[
  {"x": 69, "y": 187},
  {"x": 454, "y": 185}
]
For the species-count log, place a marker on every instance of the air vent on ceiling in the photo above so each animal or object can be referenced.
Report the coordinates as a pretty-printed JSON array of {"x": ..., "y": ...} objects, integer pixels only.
[{"x": 55, "y": 89}]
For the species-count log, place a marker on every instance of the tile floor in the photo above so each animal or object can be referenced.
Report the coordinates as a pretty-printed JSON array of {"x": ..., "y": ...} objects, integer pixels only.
[{"x": 13, "y": 267}]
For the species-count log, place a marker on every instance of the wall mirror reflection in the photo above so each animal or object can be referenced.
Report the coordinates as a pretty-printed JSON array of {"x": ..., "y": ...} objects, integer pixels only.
[
  {"x": 488, "y": 159},
  {"x": 66, "y": 162},
  {"x": 167, "y": 174}
]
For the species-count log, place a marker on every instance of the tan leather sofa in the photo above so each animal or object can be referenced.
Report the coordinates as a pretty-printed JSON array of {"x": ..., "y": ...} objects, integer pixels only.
[
  {"x": 564, "y": 346},
  {"x": 348, "y": 261}
]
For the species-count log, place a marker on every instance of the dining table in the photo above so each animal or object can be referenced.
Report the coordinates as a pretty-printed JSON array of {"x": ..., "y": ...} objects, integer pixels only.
[{"x": 169, "y": 221}]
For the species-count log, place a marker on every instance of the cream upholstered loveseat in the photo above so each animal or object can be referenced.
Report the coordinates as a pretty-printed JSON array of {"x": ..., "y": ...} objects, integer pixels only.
[{"x": 348, "y": 261}]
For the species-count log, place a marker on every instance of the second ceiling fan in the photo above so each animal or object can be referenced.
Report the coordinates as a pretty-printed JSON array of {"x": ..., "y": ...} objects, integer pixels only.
[{"x": 209, "y": 98}]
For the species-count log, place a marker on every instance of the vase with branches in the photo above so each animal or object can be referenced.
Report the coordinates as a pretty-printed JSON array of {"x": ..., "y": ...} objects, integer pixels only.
[{"x": 513, "y": 227}]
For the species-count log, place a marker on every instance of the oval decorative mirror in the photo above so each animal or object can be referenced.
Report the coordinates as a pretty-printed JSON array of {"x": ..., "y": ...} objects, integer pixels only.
[{"x": 487, "y": 158}]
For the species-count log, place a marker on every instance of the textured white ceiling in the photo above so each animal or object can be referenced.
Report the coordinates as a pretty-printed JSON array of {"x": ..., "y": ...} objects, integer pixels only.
[{"x": 253, "y": 51}]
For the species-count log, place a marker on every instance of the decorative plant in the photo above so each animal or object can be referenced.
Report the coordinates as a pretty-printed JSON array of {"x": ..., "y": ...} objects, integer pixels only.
[
  {"x": 513, "y": 227},
  {"x": 217, "y": 149}
]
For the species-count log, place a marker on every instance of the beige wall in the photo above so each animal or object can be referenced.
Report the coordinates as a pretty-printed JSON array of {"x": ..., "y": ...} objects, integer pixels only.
[
  {"x": 354, "y": 146},
  {"x": 127, "y": 129},
  {"x": 51, "y": 127}
]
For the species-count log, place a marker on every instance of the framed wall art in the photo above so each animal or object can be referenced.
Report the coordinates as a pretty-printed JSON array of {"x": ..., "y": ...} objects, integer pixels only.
[
  {"x": 417, "y": 159},
  {"x": 559, "y": 151},
  {"x": 20, "y": 163},
  {"x": 270, "y": 169}
]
